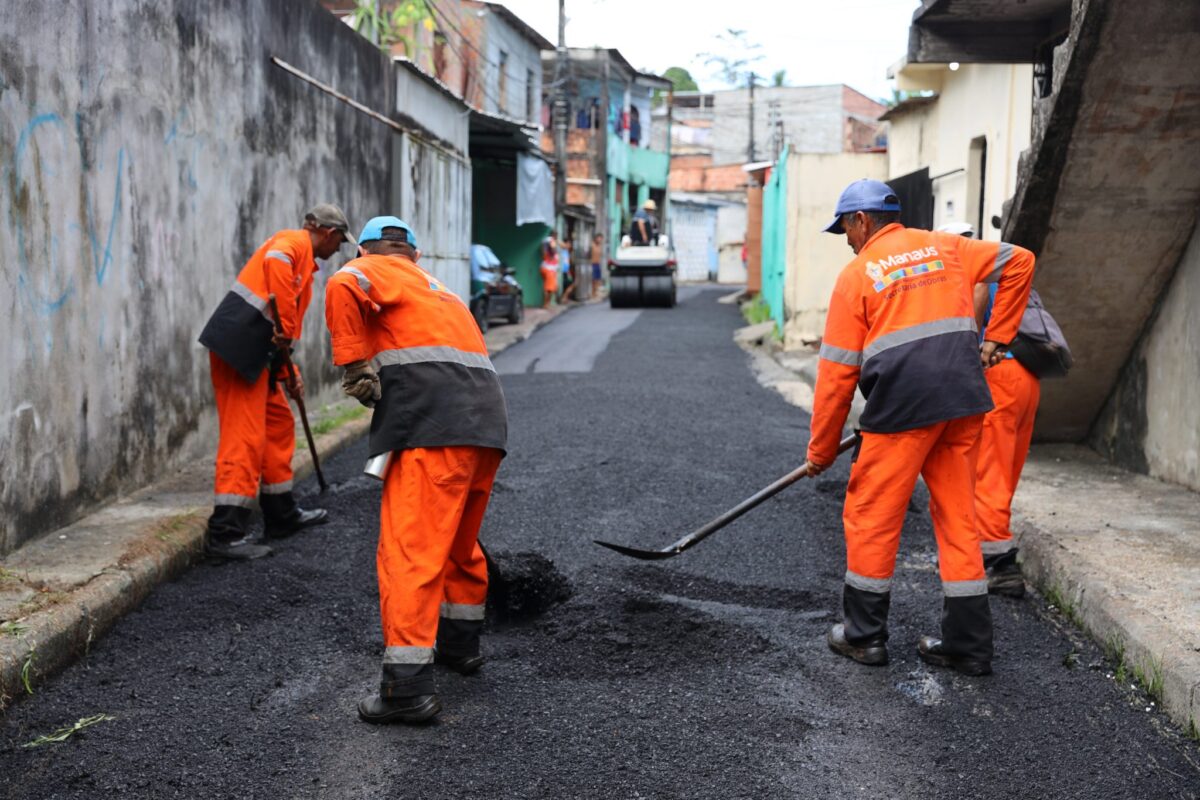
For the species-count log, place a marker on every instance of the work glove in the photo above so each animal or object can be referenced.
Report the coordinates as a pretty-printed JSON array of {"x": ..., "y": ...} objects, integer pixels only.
[{"x": 360, "y": 382}]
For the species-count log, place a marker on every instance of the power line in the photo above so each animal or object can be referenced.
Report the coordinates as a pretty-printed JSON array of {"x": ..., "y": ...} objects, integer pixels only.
[{"x": 500, "y": 104}]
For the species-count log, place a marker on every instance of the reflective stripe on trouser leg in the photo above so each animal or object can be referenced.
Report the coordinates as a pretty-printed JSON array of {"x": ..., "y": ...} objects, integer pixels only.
[
  {"x": 279, "y": 445},
  {"x": 425, "y": 495},
  {"x": 950, "y": 474},
  {"x": 242, "y": 414},
  {"x": 466, "y": 575},
  {"x": 1003, "y": 446},
  {"x": 881, "y": 484}
]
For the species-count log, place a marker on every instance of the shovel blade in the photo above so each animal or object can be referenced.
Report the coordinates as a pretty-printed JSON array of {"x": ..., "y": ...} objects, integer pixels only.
[{"x": 634, "y": 552}]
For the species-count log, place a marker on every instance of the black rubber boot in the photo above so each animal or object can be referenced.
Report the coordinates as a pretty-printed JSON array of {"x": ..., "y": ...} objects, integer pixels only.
[
  {"x": 406, "y": 694},
  {"x": 1004, "y": 574},
  {"x": 872, "y": 653},
  {"x": 933, "y": 651},
  {"x": 458, "y": 645},
  {"x": 966, "y": 641},
  {"x": 282, "y": 516},
  {"x": 380, "y": 710},
  {"x": 227, "y": 537},
  {"x": 865, "y": 614}
]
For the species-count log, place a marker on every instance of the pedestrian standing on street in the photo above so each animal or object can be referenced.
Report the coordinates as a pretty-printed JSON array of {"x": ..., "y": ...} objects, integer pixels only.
[
  {"x": 564, "y": 251},
  {"x": 596, "y": 257},
  {"x": 901, "y": 327},
  {"x": 549, "y": 269},
  {"x": 1003, "y": 448},
  {"x": 257, "y": 430},
  {"x": 411, "y": 349}
]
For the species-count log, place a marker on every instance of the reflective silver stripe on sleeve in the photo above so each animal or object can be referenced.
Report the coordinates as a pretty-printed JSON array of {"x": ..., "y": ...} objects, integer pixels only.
[
  {"x": 243, "y": 291},
  {"x": 239, "y": 500},
  {"x": 461, "y": 611},
  {"x": 363, "y": 282},
  {"x": 281, "y": 256},
  {"x": 997, "y": 547},
  {"x": 839, "y": 355},
  {"x": 865, "y": 584},
  {"x": 915, "y": 333},
  {"x": 408, "y": 655},
  {"x": 964, "y": 588},
  {"x": 276, "y": 488},
  {"x": 439, "y": 353},
  {"x": 1003, "y": 256}
]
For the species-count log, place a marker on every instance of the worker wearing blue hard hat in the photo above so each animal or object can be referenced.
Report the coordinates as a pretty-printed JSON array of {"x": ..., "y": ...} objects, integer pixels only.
[{"x": 412, "y": 351}]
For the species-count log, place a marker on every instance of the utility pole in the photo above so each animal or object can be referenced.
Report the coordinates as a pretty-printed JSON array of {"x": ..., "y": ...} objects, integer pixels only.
[
  {"x": 560, "y": 120},
  {"x": 750, "y": 150},
  {"x": 600, "y": 160}
]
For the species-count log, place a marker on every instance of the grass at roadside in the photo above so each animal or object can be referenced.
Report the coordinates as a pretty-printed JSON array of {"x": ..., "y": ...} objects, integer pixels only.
[{"x": 333, "y": 422}]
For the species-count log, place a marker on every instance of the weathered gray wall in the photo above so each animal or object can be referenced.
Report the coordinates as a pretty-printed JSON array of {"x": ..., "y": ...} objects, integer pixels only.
[
  {"x": 1151, "y": 422},
  {"x": 146, "y": 148}
]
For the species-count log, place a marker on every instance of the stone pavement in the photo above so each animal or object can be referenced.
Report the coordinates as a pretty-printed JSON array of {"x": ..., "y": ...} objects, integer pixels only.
[
  {"x": 1117, "y": 552},
  {"x": 60, "y": 592}
]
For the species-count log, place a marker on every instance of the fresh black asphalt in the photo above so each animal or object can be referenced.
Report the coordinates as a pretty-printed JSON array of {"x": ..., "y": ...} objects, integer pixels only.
[{"x": 706, "y": 676}]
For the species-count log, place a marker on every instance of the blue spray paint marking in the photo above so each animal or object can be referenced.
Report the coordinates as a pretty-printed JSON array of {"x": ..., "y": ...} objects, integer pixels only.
[
  {"x": 100, "y": 265},
  {"x": 42, "y": 304}
]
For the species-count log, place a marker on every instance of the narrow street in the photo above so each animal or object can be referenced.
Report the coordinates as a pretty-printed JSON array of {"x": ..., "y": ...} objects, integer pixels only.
[{"x": 706, "y": 676}]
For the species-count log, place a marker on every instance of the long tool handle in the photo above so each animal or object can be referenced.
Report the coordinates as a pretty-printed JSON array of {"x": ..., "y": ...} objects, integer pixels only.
[
  {"x": 291, "y": 373},
  {"x": 700, "y": 534}
]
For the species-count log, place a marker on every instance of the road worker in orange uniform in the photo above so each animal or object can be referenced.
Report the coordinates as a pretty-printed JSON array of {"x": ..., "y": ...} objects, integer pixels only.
[
  {"x": 1003, "y": 447},
  {"x": 901, "y": 327},
  {"x": 412, "y": 350},
  {"x": 254, "y": 455}
]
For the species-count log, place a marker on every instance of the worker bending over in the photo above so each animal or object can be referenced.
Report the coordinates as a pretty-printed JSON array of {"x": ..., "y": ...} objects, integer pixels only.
[
  {"x": 1003, "y": 448},
  {"x": 257, "y": 431},
  {"x": 411, "y": 348},
  {"x": 901, "y": 326}
]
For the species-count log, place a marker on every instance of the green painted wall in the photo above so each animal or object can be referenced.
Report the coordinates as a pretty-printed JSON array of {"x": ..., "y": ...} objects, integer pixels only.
[
  {"x": 493, "y": 222},
  {"x": 774, "y": 238}
]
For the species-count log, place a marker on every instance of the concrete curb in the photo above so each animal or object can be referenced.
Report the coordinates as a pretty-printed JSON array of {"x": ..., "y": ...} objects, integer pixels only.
[
  {"x": 54, "y": 637},
  {"x": 1064, "y": 557}
]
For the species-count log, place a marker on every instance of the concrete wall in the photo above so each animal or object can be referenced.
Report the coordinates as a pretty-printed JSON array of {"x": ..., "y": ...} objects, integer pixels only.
[
  {"x": 814, "y": 258},
  {"x": 146, "y": 149},
  {"x": 812, "y": 121},
  {"x": 989, "y": 101},
  {"x": 1151, "y": 422},
  {"x": 524, "y": 64},
  {"x": 731, "y": 238}
]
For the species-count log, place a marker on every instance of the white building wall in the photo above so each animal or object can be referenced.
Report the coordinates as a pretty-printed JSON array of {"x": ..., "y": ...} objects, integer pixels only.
[
  {"x": 731, "y": 237},
  {"x": 815, "y": 258},
  {"x": 523, "y": 58},
  {"x": 693, "y": 228},
  {"x": 993, "y": 101}
]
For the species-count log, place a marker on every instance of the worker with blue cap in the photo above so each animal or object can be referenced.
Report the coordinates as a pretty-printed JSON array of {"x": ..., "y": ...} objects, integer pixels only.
[
  {"x": 412, "y": 351},
  {"x": 901, "y": 327}
]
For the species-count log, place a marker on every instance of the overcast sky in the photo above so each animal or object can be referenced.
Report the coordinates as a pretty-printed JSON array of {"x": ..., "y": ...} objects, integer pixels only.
[{"x": 816, "y": 41}]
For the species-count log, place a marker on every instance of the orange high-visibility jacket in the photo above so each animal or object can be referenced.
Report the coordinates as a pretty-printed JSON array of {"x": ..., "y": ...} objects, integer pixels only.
[
  {"x": 439, "y": 386},
  {"x": 240, "y": 330},
  {"x": 901, "y": 325}
]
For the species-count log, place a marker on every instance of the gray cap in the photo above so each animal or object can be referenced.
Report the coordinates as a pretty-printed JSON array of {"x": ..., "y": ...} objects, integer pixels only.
[{"x": 327, "y": 215}]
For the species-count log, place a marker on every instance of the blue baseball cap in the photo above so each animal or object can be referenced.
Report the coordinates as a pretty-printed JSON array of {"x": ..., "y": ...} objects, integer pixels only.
[
  {"x": 863, "y": 195},
  {"x": 373, "y": 230}
]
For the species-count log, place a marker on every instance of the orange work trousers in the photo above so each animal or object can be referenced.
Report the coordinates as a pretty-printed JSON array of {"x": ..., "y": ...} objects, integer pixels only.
[
  {"x": 1007, "y": 431},
  {"x": 258, "y": 437},
  {"x": 881, "y": 484},
  {"x": 432, "y": 573}
]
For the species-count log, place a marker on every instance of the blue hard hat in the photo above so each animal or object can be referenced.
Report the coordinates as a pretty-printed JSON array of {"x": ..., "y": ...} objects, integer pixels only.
[
  {"x": 373, "y": 230},
  {"x": 863, "y": 195}
]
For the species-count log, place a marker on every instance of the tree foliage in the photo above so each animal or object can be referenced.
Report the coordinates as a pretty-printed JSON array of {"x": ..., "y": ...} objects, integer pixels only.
[
  {"x": 681, "y": 79},
  {"x": 396, "y": 22},
  {"x": 733, "y": 57}
]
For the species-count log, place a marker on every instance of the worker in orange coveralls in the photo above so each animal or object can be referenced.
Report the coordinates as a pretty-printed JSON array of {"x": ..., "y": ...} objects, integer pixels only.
[
  {"x": 901, "y": 327},
  {"x": 1003, "y": 447},
  {"x": 412, "y": 350},
  {"x": 254, "y": 455}
]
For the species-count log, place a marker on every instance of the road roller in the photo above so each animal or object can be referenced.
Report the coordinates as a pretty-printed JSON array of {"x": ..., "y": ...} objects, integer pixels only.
[{"x": 642, "y": 276}]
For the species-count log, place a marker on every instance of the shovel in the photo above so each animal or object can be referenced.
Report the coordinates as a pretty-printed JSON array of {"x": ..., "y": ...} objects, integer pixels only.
[
  {"x": 700, "y": 534},
  {"x": 291, "y": 373}
]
